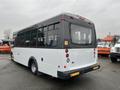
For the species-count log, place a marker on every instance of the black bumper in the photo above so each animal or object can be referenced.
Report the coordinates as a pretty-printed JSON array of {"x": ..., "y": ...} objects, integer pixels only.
[
  {"x": 115, "y": 55},
  {"x": 77, "y": 72}
]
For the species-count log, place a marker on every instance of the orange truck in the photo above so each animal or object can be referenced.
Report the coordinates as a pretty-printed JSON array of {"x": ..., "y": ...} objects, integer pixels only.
[
  {"x": 104, "y": 45},
  {"x": 5, "y": 48}
]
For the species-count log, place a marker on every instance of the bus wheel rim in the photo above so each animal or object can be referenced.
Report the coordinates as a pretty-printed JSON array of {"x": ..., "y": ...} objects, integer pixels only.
[{"x": 33, "y": 68}]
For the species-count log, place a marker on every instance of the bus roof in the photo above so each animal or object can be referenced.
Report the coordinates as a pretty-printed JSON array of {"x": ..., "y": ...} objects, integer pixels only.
[{"x": 55, "y": 19}]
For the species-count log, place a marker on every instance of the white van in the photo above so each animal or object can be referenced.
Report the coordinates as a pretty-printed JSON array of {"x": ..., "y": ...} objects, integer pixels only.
[{"x": 115, "y": 52}]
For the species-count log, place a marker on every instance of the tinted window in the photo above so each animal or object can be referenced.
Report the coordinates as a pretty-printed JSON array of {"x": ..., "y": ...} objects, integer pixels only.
[
  {"x": 22, "y": 39},
  {"x": 27, "y": 38},
  {"x": 33, "y": 38},
  {"x": 19, "y": 41},
  {"x": 81, "y": 35},
  {"x": 51, "y": 27},
  {"x": 56, "y": 25},
  {"x": 41, "y": 37},
  {"x": 45, "y": 28},
  {"x": 41, "y": 40},
  {"x": 52, "y": 38}
]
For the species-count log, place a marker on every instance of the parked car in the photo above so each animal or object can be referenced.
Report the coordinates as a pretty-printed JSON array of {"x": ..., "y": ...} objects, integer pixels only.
[{"x": 115, "y": 52}]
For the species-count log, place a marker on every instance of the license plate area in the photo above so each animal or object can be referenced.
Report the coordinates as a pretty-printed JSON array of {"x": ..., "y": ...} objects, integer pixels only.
[{"x": 75, "y": 74}]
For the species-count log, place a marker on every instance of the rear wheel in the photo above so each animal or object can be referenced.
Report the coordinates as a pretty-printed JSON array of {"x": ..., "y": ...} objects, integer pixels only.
[
  {"x": 34, "y": 68},
  {"x": 113, "y": 59}
]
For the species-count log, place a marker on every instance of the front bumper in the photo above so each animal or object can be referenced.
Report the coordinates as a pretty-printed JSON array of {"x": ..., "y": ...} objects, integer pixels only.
[
  {"x": 115, "y": 55},
  {"x": 77, "y": 72},
  {"x": 103, "y": 53}
]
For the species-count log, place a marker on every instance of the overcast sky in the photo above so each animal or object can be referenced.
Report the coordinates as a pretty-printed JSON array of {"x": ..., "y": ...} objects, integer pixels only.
[{"x": 18, "y": 14}]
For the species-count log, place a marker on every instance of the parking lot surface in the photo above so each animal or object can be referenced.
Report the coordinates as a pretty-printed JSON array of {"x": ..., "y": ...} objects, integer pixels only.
[{"x": 17, "y": 77}]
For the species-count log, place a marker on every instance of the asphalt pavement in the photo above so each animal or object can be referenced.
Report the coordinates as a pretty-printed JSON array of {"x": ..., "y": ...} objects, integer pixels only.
[{"x": 14, "y": 76}]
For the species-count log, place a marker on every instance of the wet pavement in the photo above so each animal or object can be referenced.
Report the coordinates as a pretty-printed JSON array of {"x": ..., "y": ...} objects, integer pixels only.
[{"x": 17, "y": 77}]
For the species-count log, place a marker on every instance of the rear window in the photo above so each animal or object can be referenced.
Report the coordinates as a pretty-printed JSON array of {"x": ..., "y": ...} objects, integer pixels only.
[{"x": 80, "y": 34}]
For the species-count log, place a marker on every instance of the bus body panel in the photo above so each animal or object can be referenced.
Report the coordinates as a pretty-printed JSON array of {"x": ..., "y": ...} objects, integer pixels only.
[
  {"x": 49, "y": 65},
  {"x": 50, "y": 60},
  {"x": 78, "y": 59}
]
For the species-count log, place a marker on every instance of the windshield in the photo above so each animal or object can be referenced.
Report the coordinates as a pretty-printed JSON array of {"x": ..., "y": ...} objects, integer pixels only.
[
  {"x": 101, "y": 44},
  {"x": 104, "y": 44},
  {"x": 80, "y": 34}
]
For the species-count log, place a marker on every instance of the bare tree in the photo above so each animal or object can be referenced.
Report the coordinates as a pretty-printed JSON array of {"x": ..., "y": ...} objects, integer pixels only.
[{"x": 7, "y": 34}]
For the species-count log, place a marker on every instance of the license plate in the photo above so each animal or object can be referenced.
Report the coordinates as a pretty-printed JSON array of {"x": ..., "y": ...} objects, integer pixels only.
[
  {"x": 75, "y": 74},
  {"x": 95, "y": 68}
]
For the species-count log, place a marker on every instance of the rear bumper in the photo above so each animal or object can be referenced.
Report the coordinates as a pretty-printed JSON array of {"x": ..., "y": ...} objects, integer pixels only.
[
  {"x": 77, "y": 72},
  {"x": 115, "y": 55}
]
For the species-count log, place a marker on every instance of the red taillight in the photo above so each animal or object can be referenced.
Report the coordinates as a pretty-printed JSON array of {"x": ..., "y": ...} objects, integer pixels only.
[
  {"x": 65, "y": 66},
  {"x": 67, "y": 55},
  {"x": 66, "y": 50}
]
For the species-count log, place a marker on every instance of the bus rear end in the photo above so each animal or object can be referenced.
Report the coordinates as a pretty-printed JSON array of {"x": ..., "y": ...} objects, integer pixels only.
[{"x": 79, "y": 48}]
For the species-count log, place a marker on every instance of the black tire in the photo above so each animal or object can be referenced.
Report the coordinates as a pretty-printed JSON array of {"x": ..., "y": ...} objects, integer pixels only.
[
  {"x": 113, "y": 60},
  {"x": 11, "y": 56},
  {"x": 34, "y": 67}
]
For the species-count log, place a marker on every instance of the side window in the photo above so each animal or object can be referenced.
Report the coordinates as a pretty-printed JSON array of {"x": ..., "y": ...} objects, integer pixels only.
[
  {"x": 52, "y": 38},
  {"x": 41, "y": 38},
  {"x": 27, "y": 39},
  {"x": 51, "y": 27},
  {"x": 33, "y": 39},
  {"x": 22, "y": 40},
  {"x": 45, "y": 28},
  {"x": 56, "y": 26},
  {"x": 17, "y": 41}
]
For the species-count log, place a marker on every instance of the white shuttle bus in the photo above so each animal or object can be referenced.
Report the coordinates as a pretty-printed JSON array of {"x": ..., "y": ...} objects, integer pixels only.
[{"x": 63, "y": 46}]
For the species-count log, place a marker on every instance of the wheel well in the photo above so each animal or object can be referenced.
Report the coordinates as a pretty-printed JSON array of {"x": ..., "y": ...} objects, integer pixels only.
[{"x": 30, "y": 61}]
